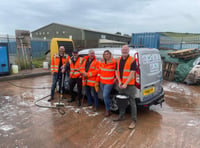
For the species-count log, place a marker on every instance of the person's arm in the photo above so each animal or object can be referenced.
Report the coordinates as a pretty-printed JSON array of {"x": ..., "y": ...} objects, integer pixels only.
[
  {"x": 52, "y": 66},
  {"x": 95, "y": 71},
  {"x": 117, "y": 76},
  {"x": 130, "y": 77},
  {"x": 82, "y": 69},
  {"x": 98, "y": 74}
]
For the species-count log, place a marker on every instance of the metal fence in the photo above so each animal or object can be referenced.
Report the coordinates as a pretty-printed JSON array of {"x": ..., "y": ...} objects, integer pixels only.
[
  {"x": 175, "y": 41},
  {"x": 38, "y": 46},
  {"x": 179, "y": 42}
]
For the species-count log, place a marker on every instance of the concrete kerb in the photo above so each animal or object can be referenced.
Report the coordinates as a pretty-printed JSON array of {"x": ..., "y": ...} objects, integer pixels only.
[{"x": 22, "y": 76}]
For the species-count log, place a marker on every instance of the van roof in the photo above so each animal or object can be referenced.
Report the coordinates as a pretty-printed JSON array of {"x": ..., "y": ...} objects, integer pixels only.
[{"x": 115, "y": 51}]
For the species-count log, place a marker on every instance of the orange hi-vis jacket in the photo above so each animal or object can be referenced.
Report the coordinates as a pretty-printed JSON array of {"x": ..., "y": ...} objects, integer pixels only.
[
  {"x": 75, "y": 67},
  {"x": 56, "y": 60},
  {"x": 92, "y": 72},
  {"x": 106, "y": 73},
  {"x": 126, "y": 70}
]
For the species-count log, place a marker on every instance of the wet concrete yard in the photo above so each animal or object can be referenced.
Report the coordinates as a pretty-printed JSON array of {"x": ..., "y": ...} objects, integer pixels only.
[{"x": 24, "y": 125}]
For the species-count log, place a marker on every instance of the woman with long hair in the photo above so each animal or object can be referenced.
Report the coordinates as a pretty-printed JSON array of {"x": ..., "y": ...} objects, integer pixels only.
[{"x": 106, "y": 78}]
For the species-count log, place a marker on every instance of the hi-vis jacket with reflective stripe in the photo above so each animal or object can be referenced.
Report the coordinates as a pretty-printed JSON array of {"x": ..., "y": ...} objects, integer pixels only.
[
  {"x": 126, "y": 70},
  {"x": 92, "y": 72},
  {"x": 56, "y": 60},
  {"x": 75, "y": 67},
  {"x": 106, "y": 73}
]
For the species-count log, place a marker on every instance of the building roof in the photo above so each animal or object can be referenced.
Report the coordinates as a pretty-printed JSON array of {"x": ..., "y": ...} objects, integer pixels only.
[
  {"x": 106, "y": 41},
  {"x": 79, "y": 29}
]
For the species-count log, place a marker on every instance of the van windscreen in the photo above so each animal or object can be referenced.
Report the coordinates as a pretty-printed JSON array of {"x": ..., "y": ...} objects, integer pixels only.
[{"x": 68, "y": 46}]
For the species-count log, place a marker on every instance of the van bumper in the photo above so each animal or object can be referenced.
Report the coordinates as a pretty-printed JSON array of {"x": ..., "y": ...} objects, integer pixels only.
[{"x": 159, "y": 99}]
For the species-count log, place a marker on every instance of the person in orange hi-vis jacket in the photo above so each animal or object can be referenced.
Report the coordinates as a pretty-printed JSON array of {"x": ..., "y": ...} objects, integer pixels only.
[
  {"x": 74, "y": 65},
  {"x": 125, "y": 74},
  {"x": 89, "y": 70},
  {"x": 106, "y": 77},
  {"x": 57, "y": 63}
]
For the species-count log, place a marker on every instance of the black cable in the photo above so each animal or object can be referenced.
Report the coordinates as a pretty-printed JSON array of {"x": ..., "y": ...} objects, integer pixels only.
[
  {"x": 60, "y": 110},
  {"x": 26, "y": 87}
]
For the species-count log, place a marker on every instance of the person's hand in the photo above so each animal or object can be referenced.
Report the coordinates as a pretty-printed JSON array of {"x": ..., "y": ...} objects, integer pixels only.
[
  {"x": 120, "y": 85},
  {"x": 96, "y": 86},
  {"x": 63, "y": 70},
  {"x": 84, "y": 74},
  {"x": 115, "y": 81},
  {"x": 52, "y": 73},
  {"x": 124, "y": 86},
  {"x": 62, "y": 67}
]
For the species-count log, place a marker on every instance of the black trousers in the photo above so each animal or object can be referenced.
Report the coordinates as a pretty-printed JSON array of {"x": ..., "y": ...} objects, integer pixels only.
[{"x": 72, "y": 83}]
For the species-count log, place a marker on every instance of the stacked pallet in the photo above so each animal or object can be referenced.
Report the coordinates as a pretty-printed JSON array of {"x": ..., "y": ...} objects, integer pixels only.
[
  {"x": 169, "y": 69},
  {"x": 185, "y": 54}
]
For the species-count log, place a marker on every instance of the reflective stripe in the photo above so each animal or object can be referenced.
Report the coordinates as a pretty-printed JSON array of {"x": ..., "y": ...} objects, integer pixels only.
[
  {"x": 92, "y": 67},
  {"x": 75, "y": 69},
  {"x": 74, "y": 73},
  {"x": 132, "y": 60},
  {"x": 90, "y": 74},
  {"x": 104, "y": 69},
  {"x": 126, "y": 77},
  {"x": 107, "y": 78},
  {"x": 125, "y": 70},
  {"x": 91, "y": 81}
]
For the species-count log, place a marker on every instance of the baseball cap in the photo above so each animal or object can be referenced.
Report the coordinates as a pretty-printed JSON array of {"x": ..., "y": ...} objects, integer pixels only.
[{"x": 75, "y": 51}]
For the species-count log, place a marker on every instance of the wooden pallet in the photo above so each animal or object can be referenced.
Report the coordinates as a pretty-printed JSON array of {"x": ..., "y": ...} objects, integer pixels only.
[
  {"x": 184, "y": 51},
  {"x": 169, "y": 70},
  {"x": 189, "y": 56},
  {"x": 185, "y": 54}
]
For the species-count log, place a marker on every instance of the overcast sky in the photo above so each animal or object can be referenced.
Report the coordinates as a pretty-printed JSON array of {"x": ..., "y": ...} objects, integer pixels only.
[{"x": 125, "y": 16}]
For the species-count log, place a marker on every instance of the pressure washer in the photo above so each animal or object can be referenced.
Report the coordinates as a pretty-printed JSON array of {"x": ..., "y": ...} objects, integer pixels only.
[{"x": 60, "y": 104}]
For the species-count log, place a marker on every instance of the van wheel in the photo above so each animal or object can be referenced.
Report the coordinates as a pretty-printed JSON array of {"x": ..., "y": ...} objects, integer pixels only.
[{"x": 113, "y": 105}]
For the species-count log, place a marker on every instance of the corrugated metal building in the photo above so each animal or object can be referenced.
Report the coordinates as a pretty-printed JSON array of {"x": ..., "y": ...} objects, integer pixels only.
[{"x": 83, "y": 38}]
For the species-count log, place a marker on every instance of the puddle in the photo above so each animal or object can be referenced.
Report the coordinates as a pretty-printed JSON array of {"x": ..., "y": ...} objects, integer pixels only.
[{"x": 6, "y": 128}]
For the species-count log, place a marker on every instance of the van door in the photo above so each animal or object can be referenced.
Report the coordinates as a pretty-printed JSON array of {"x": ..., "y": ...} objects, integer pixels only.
[{"x": 151, "y": 73}]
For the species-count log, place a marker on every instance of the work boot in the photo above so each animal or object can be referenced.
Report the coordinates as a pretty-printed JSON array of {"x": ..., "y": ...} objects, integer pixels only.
[
  {"x": 95, "y": 109},
  {"x": 120, "y": 118},
  {"x": 71, "y": 100},
  {"x": 132, "y": 125},
  {"x": 79, "y": 102},
  {"x": 107, "y": 113},
  {"x": 51, "y": 99}
]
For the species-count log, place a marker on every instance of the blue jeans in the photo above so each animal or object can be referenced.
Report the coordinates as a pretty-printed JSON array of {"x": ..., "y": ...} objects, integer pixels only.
[
  {"x": 106, "y": 89},
  {"x": 56, "y": 77},
  {"x": 88, "y": 90}
]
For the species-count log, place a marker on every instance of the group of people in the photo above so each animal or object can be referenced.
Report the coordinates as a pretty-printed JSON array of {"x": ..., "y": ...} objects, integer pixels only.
[{"x": 93, "y": 74}]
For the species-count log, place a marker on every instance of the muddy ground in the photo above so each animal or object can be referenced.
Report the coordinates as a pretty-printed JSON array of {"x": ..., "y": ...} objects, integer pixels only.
[{"x": 24, "y": 125}]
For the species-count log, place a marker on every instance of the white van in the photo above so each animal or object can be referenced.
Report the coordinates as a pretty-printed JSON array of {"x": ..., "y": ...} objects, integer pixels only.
[{"x": 148, "y": 74}]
